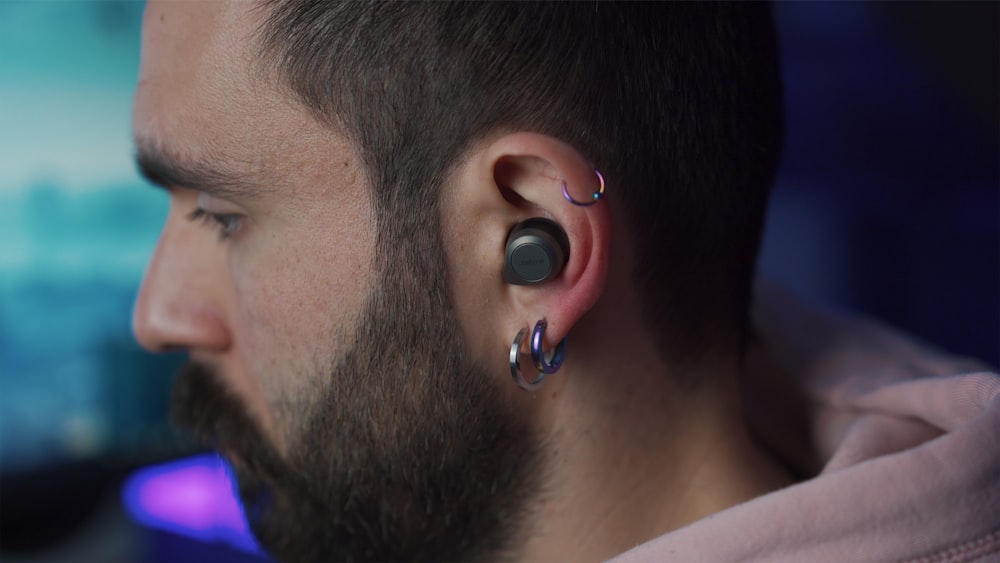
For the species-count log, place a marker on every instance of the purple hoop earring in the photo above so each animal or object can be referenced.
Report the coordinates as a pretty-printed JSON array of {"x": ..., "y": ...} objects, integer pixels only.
[
  {"x": 594, "y": 198},
  {"x": 538, "y": 355},
  {"x": 515, "y": 364}
]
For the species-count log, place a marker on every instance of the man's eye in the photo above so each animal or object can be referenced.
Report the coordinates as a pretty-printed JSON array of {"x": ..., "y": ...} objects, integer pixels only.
[{"x": 225, "y": 223}]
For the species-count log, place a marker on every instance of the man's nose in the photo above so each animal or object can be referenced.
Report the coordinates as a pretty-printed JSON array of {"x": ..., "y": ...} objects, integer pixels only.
[{"x": 180, "y": 303}]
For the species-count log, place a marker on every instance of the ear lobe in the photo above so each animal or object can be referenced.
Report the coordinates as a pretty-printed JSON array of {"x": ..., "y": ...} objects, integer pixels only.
[{"x": 530, "y": 170}]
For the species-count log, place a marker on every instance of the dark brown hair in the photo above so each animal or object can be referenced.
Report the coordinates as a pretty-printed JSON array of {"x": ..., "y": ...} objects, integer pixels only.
[{"x": 679, "y": 104}]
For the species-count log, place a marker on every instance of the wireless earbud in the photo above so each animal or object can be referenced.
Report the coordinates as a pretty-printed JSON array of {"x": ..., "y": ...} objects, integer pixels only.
[{"x": 537, "y": 249}]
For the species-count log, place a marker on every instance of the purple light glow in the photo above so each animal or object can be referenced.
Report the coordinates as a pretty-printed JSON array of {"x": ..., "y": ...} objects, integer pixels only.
[{"x": 191, "y": 497}]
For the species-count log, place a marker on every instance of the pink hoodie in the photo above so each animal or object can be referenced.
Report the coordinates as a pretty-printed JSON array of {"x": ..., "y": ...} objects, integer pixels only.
[{"x": 901, "y": 444}]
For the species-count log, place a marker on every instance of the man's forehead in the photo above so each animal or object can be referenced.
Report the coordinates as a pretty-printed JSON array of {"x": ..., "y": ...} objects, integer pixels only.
[
  {"x": 213, "y": 34},
  {"x": 202, "y": 98},
  {"x": 190, "y": 55},
  {"x": 224, "y": 20}
]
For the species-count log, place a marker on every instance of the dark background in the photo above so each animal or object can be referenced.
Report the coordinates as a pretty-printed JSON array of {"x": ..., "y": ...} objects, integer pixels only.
[{"x": 889, "y": 192}]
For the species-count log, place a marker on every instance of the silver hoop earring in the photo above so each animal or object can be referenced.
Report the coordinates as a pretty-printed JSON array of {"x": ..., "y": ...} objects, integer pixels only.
[{"x": 515, "y": 364}]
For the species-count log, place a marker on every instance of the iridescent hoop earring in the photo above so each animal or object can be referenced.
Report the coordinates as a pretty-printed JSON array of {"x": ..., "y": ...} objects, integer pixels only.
[
  {"x": 515, "y": 364},
  {"x": 538, "y": 355},
  {"x": 594, "y": 198}
]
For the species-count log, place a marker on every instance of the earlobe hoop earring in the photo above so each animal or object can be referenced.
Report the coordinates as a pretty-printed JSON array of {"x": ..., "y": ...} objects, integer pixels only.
[
  {"x": 594, "y": 198},
  {"x": 515, "y": 364},
  {"x": 538, "y": 355}
]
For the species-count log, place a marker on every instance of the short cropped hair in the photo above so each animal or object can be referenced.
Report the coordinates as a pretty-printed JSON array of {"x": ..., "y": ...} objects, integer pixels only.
[{"x": 678, "y": 104}]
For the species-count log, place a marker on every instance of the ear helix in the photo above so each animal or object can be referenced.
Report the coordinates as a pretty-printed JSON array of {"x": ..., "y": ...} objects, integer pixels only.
[{"x": 536, "y": 251}]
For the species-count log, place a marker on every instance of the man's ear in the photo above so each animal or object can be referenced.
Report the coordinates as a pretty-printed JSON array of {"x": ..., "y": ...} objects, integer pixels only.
[{"x": 503, "y": 182}]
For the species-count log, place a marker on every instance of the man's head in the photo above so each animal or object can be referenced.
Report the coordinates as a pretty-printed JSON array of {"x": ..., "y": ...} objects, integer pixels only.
[
  {"x": 364, "y": 163},
  {"x": 679, "y": 104}
]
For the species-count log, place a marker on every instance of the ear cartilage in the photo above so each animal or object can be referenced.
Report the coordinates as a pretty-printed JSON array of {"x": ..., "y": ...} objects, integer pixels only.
[{"x": 536, "y": 251}]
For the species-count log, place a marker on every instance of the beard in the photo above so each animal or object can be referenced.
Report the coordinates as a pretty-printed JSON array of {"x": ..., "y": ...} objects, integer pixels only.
[{"x": 409, "y": 451}]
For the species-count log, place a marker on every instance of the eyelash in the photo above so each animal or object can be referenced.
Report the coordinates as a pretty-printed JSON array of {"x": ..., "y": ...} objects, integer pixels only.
[{"x": 226, "y": 224}]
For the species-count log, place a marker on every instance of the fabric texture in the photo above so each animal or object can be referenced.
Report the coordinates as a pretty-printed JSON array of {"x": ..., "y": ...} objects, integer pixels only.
[{"x": 897, "y": 445}]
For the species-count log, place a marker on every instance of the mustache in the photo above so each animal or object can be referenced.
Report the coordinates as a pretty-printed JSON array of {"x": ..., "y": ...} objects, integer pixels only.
[{"x": 213, "y": 416}]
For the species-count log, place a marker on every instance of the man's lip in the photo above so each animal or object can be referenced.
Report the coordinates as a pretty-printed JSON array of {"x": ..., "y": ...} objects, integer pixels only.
[{"x": 231, "y": 456}]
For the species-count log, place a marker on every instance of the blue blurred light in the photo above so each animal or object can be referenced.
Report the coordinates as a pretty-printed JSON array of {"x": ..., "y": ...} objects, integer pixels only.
[{"x": 192, "y": 497}]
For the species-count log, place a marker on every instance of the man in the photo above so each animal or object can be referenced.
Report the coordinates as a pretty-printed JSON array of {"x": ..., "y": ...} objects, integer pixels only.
[{"x": 479, "y": 289}]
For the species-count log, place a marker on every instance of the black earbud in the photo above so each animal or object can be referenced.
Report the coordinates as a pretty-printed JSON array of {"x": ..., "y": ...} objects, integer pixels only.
[{"x": 537, "y": 249}]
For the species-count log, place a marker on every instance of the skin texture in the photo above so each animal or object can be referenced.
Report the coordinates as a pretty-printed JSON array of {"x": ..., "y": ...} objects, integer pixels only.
[
  {"x": 346, "y": 444},
  {"x": 361, "y": 384},
  {"x": 258, "y": 300}
]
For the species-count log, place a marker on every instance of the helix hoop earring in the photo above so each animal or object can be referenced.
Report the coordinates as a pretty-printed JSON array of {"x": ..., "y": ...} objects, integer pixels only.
[
  {"x": 543, "y": 365},
  {"x": 515, "y": 364},
  {"x": 595, "y": 197}
]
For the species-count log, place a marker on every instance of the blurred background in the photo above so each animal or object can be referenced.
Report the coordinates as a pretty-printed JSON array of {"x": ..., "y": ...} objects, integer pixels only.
[{"x": 888, "y": 202}]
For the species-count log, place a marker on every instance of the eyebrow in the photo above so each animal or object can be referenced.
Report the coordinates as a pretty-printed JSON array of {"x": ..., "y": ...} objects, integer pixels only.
[{"x": 209, "y": 174}]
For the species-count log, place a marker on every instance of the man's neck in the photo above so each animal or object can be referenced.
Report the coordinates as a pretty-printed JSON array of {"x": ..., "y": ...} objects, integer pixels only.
[{"x": 639, "y": 458}]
